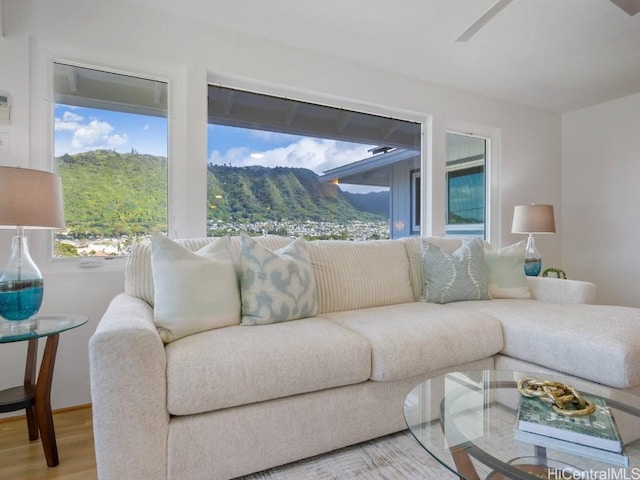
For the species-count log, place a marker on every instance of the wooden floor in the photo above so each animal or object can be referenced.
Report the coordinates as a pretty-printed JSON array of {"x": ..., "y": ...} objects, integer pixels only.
[{"x": 21, "y": 459}]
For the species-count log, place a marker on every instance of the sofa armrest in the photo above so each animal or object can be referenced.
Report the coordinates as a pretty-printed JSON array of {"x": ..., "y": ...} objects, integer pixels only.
[
  {"x": 128, "y": 390},
  {"x": 561, "y": 291}
]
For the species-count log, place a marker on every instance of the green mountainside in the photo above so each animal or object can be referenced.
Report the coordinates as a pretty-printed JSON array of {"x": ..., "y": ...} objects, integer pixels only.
[
  {"x": 255, "y": 194},
  {"x": 110, "y": 194},
  {"x": 372, "y": 202}
]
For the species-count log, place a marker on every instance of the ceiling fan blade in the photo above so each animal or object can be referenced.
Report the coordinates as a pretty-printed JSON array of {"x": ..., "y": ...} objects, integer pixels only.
[
  {"x": 482, "y": 21},
  {"x": 630, "y": 6}
]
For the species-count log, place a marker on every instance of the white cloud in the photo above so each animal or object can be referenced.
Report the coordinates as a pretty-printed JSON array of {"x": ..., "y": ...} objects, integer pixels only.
[
  {"x": 95, "y": 135},
  {"x": 315, "y": 154},
  {"x": 70, "y": 121},
  {"x": 117, "y": 140},
  {"x": 69, "y": 116},
  {"x": 238, "y": 157},
  {"x": 91, "y": 134}
]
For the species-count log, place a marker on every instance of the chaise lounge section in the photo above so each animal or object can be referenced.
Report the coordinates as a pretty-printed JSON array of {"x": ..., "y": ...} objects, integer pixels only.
[{"x": 229, "y": 401}]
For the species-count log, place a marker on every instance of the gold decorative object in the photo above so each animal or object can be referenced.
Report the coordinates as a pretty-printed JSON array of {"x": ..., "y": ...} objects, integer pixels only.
[{"x": 557, "y": 395}]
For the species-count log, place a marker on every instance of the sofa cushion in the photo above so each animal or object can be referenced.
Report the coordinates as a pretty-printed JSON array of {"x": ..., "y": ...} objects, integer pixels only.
[
  {"x": 416, "y": 338},
  {"x": 276, "y": 286},
  {"x": 456, "y": 276},
  {"x": 240, "y": 365},
  {"x": 353, "y": 275},
  {"x": 194, "y": 291},
  {"x": 505, "y": 271},
  {"x": 596, "y": 342},
  {"x": 138, "y": 278}
]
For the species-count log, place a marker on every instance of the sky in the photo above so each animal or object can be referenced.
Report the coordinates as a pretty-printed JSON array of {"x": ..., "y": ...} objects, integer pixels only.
[
  {"x": 81, "y": 129},
  {"x": 241, "y": 147}
]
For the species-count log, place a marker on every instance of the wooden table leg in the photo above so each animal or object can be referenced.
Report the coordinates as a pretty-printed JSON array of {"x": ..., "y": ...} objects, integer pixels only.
[
  {"x": 29, "y": 381},
  {"x": 42, "y": 401},
  {"x": 463, "y": 463}
]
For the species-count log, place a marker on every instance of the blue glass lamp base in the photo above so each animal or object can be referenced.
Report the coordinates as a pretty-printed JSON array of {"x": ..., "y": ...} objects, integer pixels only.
[
  {"x": 532, "y": 267},
  {"x": 20, "y": 300},
  {"x": 21, "y": 284},
  {"x": 18, "y": 327}
]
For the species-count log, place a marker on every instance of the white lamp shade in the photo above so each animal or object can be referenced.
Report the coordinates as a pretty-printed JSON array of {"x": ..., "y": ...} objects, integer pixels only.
[
  {"x": 30, "y": 199},
  {"x": 533, "y": 219}
]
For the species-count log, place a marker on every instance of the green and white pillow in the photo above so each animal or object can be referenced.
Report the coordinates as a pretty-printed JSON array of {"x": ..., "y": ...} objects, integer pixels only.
[
  {"x": 276, "y": 286},
  {"x": 193, "y": 291},
  {"x": 452, "y": 277},
  {"x": 505, "y": 271}
]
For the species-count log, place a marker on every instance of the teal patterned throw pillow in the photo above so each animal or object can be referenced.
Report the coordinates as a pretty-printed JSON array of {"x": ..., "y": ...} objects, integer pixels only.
[
  {"x": 452, "y": 277},
  {"x": 276, "y": 286}
]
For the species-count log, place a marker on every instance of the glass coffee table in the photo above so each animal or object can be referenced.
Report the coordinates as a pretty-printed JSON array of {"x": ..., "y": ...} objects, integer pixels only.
[{"x": 466, "y": 421}]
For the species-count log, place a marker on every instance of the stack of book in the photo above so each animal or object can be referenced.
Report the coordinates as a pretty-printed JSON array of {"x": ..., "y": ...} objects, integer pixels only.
[{"x": 594, "y": 436}]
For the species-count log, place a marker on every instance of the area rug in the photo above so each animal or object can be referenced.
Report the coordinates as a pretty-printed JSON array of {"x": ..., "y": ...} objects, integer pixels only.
[{"x": 394, "y": 457}]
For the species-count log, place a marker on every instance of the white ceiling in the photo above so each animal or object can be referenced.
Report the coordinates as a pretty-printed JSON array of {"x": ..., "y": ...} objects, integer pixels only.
[{"x": 558, "y": 55}]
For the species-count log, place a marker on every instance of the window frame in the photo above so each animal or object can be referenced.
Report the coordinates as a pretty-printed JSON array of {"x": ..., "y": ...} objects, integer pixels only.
[
  {"x": 424, "y": 119},
  {"x": 41, "y": 142},
  {"x": 99, "y": 105},
  {"x": 187, "y": 138},
  {"x": 492, "y": 166},
  {"x": 454, "y": 170}
]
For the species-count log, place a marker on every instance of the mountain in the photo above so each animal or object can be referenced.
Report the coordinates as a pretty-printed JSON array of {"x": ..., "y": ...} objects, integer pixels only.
[
  {"x": 372, "y": 202},
  {"x": 282, "y": 193},
  {"x": 110, "y": 194}
]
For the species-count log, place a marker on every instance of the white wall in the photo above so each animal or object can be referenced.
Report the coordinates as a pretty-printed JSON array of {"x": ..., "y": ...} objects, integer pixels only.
[
  {"x": 187, "y": 53},
  {"x": 600, "y": 198}
]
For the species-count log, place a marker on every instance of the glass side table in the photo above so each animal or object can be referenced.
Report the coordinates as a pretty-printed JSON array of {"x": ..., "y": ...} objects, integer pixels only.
[{"x": 35, "y": 397}]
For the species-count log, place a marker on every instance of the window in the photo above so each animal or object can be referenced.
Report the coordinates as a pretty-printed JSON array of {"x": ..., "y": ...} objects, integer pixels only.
[
  {"x": 287, "y": 167},
  {"x": 110, "y": 149},
  {"x": 466, "y": 185}
]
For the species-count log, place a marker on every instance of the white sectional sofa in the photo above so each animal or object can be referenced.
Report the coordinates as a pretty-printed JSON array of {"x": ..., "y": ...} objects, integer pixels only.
[{"x": 237, "y": 399}]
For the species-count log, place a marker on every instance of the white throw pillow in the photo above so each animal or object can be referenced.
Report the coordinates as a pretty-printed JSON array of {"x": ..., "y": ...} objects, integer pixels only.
[
  {"x": 193, "y": 291},
  {"x": 453, "y": 277},
  {"x": 505, "y": 271},
  {"x": 276, "y": 286}
]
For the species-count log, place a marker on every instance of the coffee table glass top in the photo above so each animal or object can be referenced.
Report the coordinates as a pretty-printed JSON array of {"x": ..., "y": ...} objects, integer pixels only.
[
  {"x": 41, "y": 326},
  {"x": 466, "y": 421}
]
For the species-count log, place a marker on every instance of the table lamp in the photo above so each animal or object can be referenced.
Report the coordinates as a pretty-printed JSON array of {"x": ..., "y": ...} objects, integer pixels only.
[
  {"x": 28, "y": 199},
  {"x": 533, "y": 219}
]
